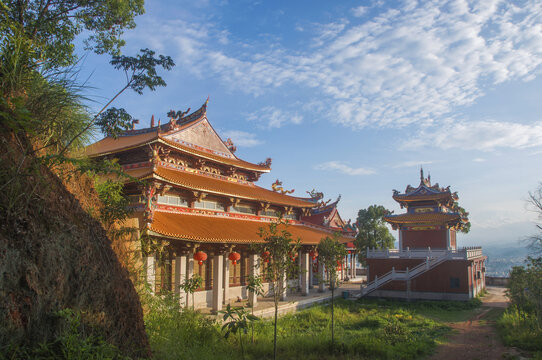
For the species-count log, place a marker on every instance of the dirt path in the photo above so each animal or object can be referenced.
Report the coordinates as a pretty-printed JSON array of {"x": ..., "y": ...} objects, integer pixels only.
[{"x": 477, "y": 338}]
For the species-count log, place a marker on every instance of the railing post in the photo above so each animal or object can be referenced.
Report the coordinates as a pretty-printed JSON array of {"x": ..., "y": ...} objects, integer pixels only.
[
  {"x": 376, "y": 280},
  {"x": 430, "y": 254},
  {"x": 392, "y": 272},
  {"x": 407, "y": 275},
  {"x": 427, "y": 262}
]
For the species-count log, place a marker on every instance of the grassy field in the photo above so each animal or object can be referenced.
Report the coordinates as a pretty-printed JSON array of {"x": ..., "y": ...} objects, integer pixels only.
[{"x": 368, "y": 329}]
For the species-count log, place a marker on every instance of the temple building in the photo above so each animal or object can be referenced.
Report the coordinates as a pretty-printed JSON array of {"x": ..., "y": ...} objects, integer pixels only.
[
  {"x": 427, "y": 264},
  {"x": 326, "y": 214},
  {"x": 198, "y": 203}
]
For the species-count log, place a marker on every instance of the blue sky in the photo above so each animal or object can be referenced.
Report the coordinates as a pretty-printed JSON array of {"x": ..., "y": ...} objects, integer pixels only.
[{"x": 353, "y": 97}]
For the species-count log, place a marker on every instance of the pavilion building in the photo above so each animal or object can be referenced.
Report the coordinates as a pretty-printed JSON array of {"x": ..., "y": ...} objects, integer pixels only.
[
  {"x": 427, "y": 264},
  {"x": 198, "y": 202}
]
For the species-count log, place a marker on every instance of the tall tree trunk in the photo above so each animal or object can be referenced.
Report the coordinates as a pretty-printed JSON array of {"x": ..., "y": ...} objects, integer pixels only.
[
  {"x": 332, "y": 315},
  {"x": 275, "y": 335}
]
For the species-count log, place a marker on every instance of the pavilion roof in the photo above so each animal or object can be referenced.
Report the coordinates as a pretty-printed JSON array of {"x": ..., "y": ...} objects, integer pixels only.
[
  {"x": 213, "y": 185},
  {"x": 437, "y": 217},
  {"x": 165, "y": 134},
  {"x": 211, "y": 229},
  {"x": 425, "y": 192}
]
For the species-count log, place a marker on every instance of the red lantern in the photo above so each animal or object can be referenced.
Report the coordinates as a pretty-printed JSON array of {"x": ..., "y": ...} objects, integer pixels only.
[
  {"x": 313, "y": 254},
  {"x": 234, "y": 257},
  {"x": 265, "y": 256},
  {"x": 339, "y": 266},
  {"x": 200, "y": 257},
  {"x": 350, "y": 252},
  {"x": 293, "y": 256}
]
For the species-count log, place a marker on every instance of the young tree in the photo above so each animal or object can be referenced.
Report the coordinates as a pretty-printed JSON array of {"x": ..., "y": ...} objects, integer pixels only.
[
  {"x": 279, "y": 245},
  {"x": 255, "y": 286},
  {"x": 330, "y": 254},
  {"x": 190, "y": 285},
  {"x": 238, "y": 324},
  {"x": 372, "y": 230}
]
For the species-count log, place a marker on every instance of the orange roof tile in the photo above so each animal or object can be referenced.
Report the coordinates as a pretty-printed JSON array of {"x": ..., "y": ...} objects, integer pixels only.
[
  {"x": 109, "y": 145},
  {"x": 217, "y": 186},
  {"x": 423, "y": 218},
  {"x": 224, "y": 160},
  {"x": 209, "y": 184},
  {"x": 225, "y": 230}
]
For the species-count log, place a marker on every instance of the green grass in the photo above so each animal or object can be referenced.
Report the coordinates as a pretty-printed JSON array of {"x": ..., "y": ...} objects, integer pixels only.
[
  {"x": 520, "y": 329},
  {"x": 441, "y": 311},
  {"x": 365, "y": 329}
]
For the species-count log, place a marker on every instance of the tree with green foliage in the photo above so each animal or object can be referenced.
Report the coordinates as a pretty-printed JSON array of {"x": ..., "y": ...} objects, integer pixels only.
[
  {"x": 372, "y": 230},
  {"x": 52, "y": 26},
  {"x": 330, "y": 255},
  {"x": 254, "y": 286},
  {"x": 190, "y": 285},
  {"x": 464, "y": 226},
  {"x": 279, "y": 245},
  {"x": 239, "y": 322}
]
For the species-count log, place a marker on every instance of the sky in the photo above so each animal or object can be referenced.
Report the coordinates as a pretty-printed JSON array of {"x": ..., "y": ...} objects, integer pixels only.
[{"x": 353, "y": 97}]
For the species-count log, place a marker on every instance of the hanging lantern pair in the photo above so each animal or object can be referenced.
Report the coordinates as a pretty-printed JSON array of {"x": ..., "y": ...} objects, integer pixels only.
[
  {"x": 234, "y": 257},
  {"x": 292, "y": 256},
  {"x": 200, "y": 257},
  {"x": 313, "y": 254}
]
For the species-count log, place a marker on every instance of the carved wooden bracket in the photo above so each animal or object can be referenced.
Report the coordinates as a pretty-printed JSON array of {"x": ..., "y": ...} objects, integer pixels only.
[
  {"x": 234, "y": 201},
  {"x": 198, "y": 195}
]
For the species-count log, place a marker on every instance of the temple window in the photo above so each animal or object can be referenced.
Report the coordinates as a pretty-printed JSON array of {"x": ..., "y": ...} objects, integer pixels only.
[
  {"x": 244, "y": 209},
  {"x": 291, "y": 216},
  {"x": 208, "y": 204},
  {"x": 269, "y": 212},
  {"x": 172, "y": 200},
  {"x": 206, "y": 272},
  {"x": 454, "y": 283}
]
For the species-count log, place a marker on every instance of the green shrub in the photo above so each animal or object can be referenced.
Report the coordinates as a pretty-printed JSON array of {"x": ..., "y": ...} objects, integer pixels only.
[
  {"x": 521, "y": 329},
  {"x": 74, "y": 342}
]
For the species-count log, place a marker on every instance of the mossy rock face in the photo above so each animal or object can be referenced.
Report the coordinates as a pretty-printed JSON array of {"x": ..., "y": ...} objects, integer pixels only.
[{"x": 53, "y": 256}]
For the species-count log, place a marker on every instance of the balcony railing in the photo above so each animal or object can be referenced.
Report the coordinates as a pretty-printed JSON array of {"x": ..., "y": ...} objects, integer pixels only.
[{"x": 458, "y": 254}]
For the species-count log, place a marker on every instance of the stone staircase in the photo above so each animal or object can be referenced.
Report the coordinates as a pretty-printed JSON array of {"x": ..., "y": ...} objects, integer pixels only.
[{"x": 402, "y": 275}]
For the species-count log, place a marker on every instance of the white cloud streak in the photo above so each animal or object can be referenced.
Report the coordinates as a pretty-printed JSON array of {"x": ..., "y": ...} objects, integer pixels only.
[
  {"x": 410, "y": 65},
  {"x": 480, "y": 135},
  {"x": 342, "y": 167},
  {"x": 242, "y": 138}
]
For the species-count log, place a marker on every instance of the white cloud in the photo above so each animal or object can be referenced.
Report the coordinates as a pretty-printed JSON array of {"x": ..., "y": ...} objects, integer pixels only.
[
  {"x": 343, "y": 168},
  {"x": 271, "y": 117},
  {"x": 480, "y": 135},
  {"x": 242, "y": 138},
  {"x": 409, "y": 65},
  {"x": 479, "y": 160},
  {"x": 359, "y": 11},
  {"x": 412, "y": 164}
]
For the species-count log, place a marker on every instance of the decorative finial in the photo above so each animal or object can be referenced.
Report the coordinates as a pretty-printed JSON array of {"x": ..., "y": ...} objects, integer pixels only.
[
  {"x": 152, "y": 121},
  {"x": 421, "y": 174},
  {"x": 134, "y": 121}
]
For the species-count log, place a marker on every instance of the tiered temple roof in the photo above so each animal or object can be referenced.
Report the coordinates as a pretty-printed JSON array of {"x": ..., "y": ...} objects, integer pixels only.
[
  {"x": 427, "y": 204},
  {"x": 187, "y": 157}
]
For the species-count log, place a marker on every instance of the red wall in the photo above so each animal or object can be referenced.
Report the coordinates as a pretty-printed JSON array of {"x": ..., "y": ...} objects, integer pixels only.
[
  {"x": 453, "y": 241},
  {"x": 435, "y": 280},
  {"x": 436, "y": 239}
]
